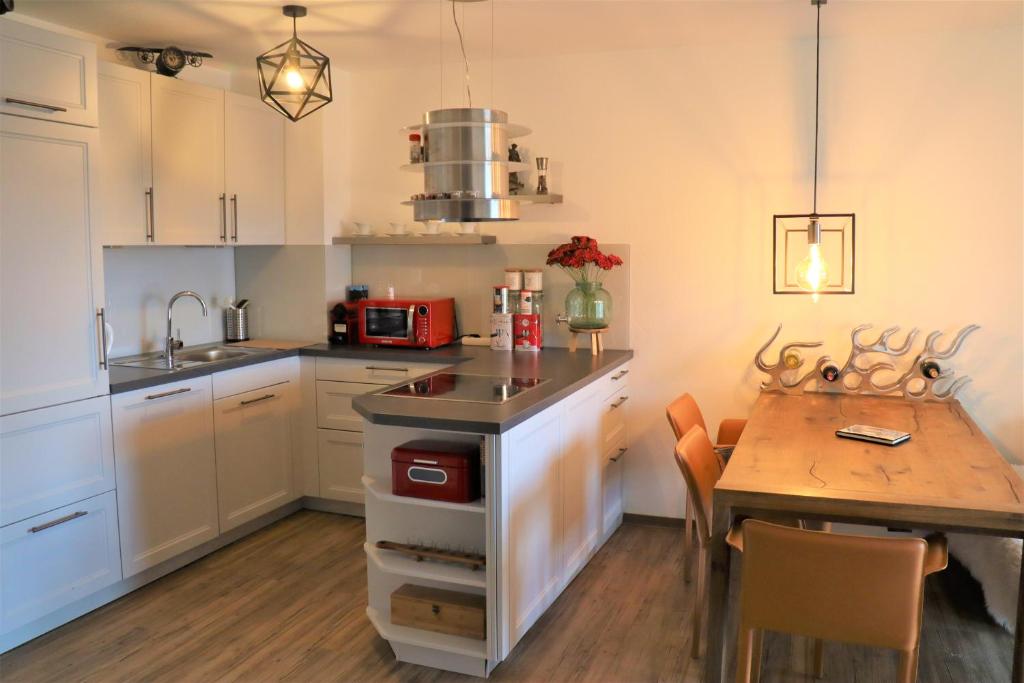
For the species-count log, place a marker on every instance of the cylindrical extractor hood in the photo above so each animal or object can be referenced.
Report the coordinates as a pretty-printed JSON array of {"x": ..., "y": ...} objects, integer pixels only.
[{"x": 465, "y": 166}]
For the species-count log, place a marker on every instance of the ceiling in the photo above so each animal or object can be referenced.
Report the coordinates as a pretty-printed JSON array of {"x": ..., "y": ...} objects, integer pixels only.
[{"x": 368, "y": 34}]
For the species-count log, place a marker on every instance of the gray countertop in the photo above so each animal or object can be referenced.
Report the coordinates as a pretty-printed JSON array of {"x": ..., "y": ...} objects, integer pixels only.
[{"x": 566, "y": 373}]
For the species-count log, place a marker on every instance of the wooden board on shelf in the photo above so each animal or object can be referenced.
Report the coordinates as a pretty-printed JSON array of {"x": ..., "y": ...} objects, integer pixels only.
[{"x": 474, "y": 561}]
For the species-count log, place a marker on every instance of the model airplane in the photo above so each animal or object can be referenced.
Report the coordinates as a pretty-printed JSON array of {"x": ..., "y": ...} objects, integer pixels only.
[{"x": 168, "y": 60}]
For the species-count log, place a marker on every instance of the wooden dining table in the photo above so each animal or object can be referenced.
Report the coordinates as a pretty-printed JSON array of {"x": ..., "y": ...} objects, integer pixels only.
[{"x": 947, "y": 477}]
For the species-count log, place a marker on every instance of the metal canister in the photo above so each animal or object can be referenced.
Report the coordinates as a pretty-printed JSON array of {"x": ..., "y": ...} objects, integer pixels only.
[
  {"x": 502, "y": 303},
  {"x": 236, "y": 323},
  {"x": 533, "y": 279},
  {"x": 525, "y": 302},
  {"x": 501, "y": 331},
  {"x": 514, "y": 278},
  {"x": 527, "y": 332}
]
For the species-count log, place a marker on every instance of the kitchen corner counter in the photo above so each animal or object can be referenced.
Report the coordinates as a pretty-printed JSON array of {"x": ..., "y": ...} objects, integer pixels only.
[{"x": 565, "y": 371}]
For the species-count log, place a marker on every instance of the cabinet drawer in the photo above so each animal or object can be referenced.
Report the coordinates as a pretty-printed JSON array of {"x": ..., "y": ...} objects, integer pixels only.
[
  {"x": 51, "y": 74},
  {"x": 54, "y": 456},
  {"x": 340, "y": 456},
  {"x": 371, "y": 371},
  {"x": 334, "y": 404},
  {"x": 54, "y": 559},
  {"x": 616, "y": 380},
  {"x": 252, "y": 377},
  {"x": 614, "y": 414}
]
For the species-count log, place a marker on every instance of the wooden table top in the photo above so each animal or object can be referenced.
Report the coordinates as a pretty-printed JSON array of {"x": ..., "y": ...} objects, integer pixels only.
[{"x": 947, "y": 475}]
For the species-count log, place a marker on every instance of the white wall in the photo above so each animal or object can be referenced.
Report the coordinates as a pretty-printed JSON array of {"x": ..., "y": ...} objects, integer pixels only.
[
  {"x": 141, "y": 280},
  {"x": 686, "y": 153}
]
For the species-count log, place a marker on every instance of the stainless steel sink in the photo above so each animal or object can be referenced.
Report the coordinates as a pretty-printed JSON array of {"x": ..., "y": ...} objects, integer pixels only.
[
  {"x": 209, "y": 355},
  {"x": 186, "y": 358}
]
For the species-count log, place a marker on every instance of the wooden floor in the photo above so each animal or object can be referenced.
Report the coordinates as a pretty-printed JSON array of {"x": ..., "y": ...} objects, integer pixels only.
[{"x": 288, "y": 604}]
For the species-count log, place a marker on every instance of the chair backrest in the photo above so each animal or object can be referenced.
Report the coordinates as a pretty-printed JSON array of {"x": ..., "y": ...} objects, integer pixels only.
[
  {"x": 684, "y": 413},
  {"x": 855, "y": 589},
  {"x": 701, "y": 470}
]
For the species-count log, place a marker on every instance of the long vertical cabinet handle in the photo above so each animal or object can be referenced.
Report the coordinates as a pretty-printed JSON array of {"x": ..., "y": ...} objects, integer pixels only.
[
  {"x": 150, "y": 226},
  {"x": 101, "y": 318},
  {"x": 223, "y": 218},
  {"x": 234, "y": 214}
]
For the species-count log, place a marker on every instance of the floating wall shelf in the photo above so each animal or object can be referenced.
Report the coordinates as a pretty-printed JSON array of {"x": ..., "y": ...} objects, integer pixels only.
[{"x": 444, "y": 239}]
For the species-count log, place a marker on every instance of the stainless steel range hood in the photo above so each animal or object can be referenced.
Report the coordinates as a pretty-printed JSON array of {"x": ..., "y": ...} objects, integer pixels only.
[{"x": 465, "y": 171}]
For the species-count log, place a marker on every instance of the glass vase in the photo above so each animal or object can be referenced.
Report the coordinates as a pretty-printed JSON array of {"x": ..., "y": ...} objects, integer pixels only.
[{"x": 588, "y": 306}]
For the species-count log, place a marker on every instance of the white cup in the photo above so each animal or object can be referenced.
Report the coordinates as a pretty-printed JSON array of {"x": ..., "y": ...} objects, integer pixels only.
[
  {"x": 364, "y": 229},
  {"x": 431, "y": 227},
  {"x": 397, "y": 228},
  {"x": 467, "y": 228}
]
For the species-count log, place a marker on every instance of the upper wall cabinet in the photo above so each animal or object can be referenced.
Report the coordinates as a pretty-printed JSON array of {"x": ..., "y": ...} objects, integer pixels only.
[
  {"x": 46, "y": 75},
  {"x": 190, "y": 205},
  {"x": 126, "y": 167},
  {"x": 254, "y": 172}
]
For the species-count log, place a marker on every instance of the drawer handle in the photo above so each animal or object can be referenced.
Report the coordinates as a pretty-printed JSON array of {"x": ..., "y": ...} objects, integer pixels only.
[
  {"x": 622, "y": 399},
  {"x": 168, "y": 393},
  {"x": 59, "y": 520},
  {"x": 436, "y": 609},
  {"x": 47, "y": 107},
  {"x": 424, "y": 462},
  {"x": 256, "y": 400},
  {"x": 622, "y": 452},
  {"x": 620, "y": 375},
  {"x": 376, "y": 367}
]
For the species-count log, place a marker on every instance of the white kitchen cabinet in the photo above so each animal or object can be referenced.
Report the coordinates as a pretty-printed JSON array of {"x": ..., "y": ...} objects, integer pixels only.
[
  {"x": 54, "y": 559},
  {"x": 255, "y": 473},
  {"x": 47, "y": 75},
  {"x": 340, "y": 462},
  {"x": 254, "y": 170},
  {"x": 581, "y": 481},
  {"x": 166, "y": 471},
  {"x": 54, "y": 456},
  {"x": 334, "y": 404},
  {"x": 125, "y": 161},
  {"x": 51, "y": 266},
  {"x": 614, "y": 420},
  {"x": 190, "y": 206}
]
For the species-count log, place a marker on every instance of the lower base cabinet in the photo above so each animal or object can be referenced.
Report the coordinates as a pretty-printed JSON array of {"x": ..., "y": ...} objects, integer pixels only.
[
  {"x": 340, "y": 456},
  {"x": 53, "y": 559},
  {"x": 166, "y": 471},
  {"x": 254, "y": 452}
]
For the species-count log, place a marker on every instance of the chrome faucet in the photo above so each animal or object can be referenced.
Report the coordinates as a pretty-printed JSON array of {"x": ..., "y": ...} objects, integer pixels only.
[{"x": 172, "y": 343}]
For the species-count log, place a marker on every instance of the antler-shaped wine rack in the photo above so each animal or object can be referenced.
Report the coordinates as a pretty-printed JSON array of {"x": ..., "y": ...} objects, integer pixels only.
[{"x": 920, "y": 381}]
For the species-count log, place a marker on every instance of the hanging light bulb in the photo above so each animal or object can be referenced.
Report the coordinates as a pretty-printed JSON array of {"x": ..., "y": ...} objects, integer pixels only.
[
  {"x": 812, "y": 271},
  {"x": 295, "y": 78}
]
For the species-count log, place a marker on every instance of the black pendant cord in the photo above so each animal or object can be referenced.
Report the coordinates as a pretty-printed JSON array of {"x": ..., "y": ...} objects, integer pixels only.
[
  {"x": 817, "y": 89},
  {"x": 465, "y": 59}
]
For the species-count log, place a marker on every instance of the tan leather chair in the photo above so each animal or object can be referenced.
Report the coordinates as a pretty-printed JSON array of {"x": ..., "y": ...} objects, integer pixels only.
[
  {"x": 684, "y": 413},
  {"x": 854, "y": 589},
  {"x": 701, "y": 469}
]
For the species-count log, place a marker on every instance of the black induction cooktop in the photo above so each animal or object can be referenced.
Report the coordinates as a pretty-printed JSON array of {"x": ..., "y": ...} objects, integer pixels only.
[{"x": 448, "y": 386}]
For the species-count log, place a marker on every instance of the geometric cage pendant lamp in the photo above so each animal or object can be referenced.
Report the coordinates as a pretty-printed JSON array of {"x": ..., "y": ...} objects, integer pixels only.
[
  {"x": 295, "y": 78},
  {"x": 814, "y": 253}
]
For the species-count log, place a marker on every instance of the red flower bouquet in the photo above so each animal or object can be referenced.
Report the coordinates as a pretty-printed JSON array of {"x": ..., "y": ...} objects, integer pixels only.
[{"x": 582, "y": 259}]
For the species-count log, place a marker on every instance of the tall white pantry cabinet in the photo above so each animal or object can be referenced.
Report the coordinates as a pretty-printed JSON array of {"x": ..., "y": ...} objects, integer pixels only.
[{"x": 59, "y": 520}]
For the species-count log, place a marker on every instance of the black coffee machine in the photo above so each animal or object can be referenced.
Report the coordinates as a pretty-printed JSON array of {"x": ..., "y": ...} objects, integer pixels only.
[{"x": 345, "y": 316}]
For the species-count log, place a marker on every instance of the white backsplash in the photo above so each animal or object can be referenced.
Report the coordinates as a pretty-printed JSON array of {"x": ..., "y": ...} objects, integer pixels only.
[{"x": 139, "y": 282}]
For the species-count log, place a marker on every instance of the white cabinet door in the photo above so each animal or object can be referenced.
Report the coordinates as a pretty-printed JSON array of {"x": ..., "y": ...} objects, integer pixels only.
[
  {"x": 51, "y": 266},
  {"x": 190, "y": 206},
  {"x": 166, "y": 471},
  {"x": 340, "y": 457},
  {"x": 54, "y": 559},
  {"x": 125, "y": 161},
  {"x": 581, "y": 481},
  {"x": 54, "y": 456},
  {"x": 254, "y": 452},
  {"x": 334, "y": 404},
  {"x": 254, "y": 170},
  {"x": 46, "y": 75},
  {"x": 614, "y": 420}
]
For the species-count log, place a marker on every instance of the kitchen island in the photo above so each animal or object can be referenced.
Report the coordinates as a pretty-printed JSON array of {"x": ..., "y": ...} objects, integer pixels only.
[{"x": 552, "y": 492}]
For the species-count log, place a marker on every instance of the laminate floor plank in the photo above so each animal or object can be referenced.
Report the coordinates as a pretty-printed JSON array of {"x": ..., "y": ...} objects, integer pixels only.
[{"x": 288, "y": 604}]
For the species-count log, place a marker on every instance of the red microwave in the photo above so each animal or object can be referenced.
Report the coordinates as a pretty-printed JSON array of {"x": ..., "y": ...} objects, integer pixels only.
[{"x": 420, "y": 323}]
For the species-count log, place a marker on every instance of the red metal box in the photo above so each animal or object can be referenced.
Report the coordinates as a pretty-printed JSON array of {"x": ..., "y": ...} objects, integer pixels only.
[{"x": 437, "y": 470}]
